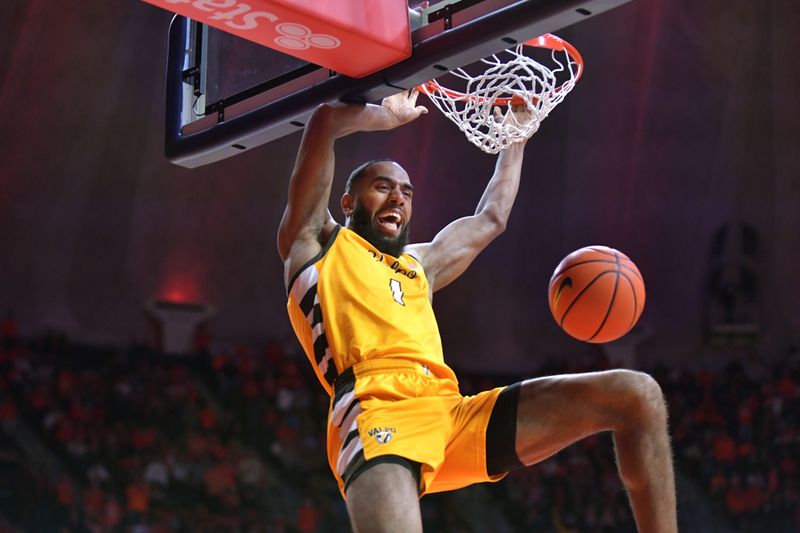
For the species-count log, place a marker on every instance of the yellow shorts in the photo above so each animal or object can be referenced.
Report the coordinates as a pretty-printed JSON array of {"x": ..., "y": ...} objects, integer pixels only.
[{"x": 396, "y": 407}]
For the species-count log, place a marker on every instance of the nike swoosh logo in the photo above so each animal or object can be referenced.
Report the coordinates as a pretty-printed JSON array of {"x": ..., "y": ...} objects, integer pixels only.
[{"x": 565, "y": 283}]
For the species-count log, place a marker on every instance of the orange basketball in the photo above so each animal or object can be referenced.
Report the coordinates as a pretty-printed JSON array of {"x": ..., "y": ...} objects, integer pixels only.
[{"x": 596, "y": 294}]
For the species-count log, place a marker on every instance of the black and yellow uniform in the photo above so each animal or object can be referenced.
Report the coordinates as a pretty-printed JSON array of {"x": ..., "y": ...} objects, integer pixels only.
[{"x": 366, "y": 324}]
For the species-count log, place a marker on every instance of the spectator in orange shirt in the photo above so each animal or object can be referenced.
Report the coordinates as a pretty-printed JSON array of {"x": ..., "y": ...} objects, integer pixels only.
[
  {"x": 307, "y": 517},
  {"x": 94, "y": 501},
  {"x": 138, "y": 494}
]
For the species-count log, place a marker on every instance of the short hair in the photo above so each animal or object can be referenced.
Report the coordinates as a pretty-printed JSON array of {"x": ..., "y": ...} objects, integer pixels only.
[{"x": 360, "y": 170}]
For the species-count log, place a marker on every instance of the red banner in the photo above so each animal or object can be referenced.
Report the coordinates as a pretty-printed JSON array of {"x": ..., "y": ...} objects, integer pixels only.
[{"x": 344, "y": 36}]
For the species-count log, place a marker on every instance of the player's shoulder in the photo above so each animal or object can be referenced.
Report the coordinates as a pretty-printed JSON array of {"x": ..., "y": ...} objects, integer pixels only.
[
  {"x": 307, "y": 250},
  {"x": 417, "y": 250}
]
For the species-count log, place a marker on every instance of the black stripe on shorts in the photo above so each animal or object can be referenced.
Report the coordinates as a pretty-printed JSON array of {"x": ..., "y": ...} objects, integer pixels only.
[
  {"x": 358, "y": 466},
  {"x": 501, "y": 433}
]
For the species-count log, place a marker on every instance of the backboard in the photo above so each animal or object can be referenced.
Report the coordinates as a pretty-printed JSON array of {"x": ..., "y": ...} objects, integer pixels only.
[{"x": 225, "y": 95}]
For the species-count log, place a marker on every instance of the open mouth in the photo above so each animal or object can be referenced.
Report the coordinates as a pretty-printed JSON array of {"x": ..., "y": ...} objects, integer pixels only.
[{"x": 390, "y": 221}]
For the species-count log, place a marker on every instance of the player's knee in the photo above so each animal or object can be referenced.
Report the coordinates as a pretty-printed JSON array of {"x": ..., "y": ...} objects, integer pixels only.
[{"x": 645, "y": 397}]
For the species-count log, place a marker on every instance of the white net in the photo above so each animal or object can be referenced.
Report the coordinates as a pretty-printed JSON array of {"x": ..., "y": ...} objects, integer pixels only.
[{"x": 507, "y": 101}]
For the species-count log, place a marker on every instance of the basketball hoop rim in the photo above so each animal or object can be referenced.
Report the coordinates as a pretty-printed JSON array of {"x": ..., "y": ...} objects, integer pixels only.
[{"x": 547, "y": 41}]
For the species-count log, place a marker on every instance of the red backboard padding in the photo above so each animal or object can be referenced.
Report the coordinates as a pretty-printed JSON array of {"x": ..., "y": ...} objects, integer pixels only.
[{"x": 353, "y": 37}]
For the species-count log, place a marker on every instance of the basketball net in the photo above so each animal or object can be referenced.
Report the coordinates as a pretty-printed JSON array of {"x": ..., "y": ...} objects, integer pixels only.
[{"x": 511, "y": 80}]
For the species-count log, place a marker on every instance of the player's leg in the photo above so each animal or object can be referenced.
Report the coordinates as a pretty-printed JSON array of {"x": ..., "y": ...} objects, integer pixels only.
[
  {"x": 384, "y": 498},
  {"x": 553, "y": 412},
  {"x": 378, "y": 419}
]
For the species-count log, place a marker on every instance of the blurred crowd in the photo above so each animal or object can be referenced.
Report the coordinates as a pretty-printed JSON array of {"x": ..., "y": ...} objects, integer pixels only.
[
  {"x": 740, "y": 438},
  {"x": 136, "y": 440}
]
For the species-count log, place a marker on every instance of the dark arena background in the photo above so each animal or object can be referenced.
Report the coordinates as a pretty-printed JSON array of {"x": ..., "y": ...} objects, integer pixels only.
[{"x": 149, "y": 379}]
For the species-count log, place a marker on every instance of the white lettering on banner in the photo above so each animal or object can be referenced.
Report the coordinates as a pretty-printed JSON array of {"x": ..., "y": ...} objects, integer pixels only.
[
  {"x": 211, "y": 5},
  {"x": 241, "y": 9},
  {"x": 292, "y": 35},
  {"x": 299, "y": 37},
  {"x": 250, "y": 20}
]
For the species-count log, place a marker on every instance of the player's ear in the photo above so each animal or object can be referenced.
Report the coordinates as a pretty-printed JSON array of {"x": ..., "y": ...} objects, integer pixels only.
[{"x": 347, "y": 202}]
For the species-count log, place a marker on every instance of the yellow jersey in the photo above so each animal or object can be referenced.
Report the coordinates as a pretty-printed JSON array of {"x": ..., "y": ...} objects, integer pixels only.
[{"x": 352, "y": 303}]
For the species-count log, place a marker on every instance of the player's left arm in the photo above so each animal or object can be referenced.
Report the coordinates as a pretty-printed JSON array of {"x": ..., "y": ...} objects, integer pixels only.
[{"x": 454, "y": 248}]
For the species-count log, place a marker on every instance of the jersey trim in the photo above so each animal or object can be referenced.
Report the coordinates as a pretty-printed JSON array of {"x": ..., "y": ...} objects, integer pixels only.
[
  {"x": 409, "y": 254},
  {"x": 315, "y": 258},
  {"x": 304, "y": 292}
]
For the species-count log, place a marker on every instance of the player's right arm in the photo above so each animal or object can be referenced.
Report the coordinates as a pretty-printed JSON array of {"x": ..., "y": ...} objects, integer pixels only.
[
  {"x": 306, "y": 222},
  {"x": 306, "y": 218}
]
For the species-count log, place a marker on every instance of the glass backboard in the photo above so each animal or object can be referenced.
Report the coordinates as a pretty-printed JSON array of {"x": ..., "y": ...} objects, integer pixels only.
[{"x": 226, "y": 95}]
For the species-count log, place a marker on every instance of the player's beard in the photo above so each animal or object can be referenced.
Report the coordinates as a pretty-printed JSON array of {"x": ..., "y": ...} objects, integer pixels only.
[{"x": 361, "y": 223}]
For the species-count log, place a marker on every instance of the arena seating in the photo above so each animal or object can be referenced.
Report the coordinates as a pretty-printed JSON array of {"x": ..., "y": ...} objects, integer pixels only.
[{"x": 233, "y": 441}]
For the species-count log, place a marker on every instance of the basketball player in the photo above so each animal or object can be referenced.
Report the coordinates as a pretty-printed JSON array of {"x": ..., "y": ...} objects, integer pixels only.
[{"x": 360, "y": 304}]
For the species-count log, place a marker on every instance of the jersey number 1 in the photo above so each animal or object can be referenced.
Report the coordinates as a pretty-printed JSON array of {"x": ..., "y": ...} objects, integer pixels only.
[{"x": 397, "y": 291}]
